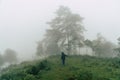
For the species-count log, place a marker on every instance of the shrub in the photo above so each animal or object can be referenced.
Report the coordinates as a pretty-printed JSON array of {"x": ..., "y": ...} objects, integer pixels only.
[
  {"x": 85, "y": 76},
  {"x": 35, "y": 69},
  {"x": 30, "y": 77}
]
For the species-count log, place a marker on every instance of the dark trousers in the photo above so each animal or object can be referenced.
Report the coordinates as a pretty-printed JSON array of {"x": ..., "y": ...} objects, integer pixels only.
[{"x": 63, "y": 61}]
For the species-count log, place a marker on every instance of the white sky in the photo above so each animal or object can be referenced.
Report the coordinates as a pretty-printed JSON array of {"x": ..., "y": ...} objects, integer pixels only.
[{"x": 22, "y": 22}]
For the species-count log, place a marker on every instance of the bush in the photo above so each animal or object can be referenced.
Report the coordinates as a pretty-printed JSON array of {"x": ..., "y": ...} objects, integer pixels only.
[
  {"x": 34, "y": 70},
  {"x": 85, "y": 76},
  {"x": 30, "y": 77}
]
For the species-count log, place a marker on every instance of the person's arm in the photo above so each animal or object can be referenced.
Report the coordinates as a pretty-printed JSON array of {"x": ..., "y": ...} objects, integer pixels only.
[{"x": 66, "y": 55}]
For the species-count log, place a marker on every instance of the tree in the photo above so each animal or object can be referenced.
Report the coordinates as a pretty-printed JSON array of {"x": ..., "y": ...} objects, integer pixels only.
[
  {"x": 88, "y": 43},
  {"x": 66, "y": 31},
  {"x": 118, "y": 40},
  {"x": 40, "y": 49},
  {"x": 10, "y": 56},
  {"x": 102, "y": 47},
  {"x": 117, "y": 49},
  {"x": 1, "y": 60},
  {"x": 52, "y": 39},
  {"x": 49, "y": 45}
]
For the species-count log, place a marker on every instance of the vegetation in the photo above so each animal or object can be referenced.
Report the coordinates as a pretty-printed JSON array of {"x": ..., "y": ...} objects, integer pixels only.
[
  {"x": 76, "y": 68},
  {"x": 102, "y": 47},
  {"x": 9, "y": 56},
  {"x": 1, "y": 60},
  {"x": 65, "y": 33}
]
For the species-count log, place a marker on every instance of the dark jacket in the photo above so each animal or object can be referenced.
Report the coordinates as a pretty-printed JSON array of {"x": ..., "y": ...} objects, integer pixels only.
[{"x": 63, "y": 55}]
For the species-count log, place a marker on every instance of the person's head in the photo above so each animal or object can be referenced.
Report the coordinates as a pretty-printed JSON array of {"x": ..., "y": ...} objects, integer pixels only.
[{"x": 62, "y": 53}]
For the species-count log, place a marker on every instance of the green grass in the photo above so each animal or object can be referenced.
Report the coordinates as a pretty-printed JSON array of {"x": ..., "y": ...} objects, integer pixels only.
[{"x": 76, "y": 68}]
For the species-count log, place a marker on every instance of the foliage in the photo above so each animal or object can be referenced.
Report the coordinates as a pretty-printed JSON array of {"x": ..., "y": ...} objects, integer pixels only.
[
  {"x": 30, "y": 77},
  {"x": 40, "y": 49},
  {"x": 88, "y": 43},
  {"x": 10, "y": 56},
  {"x": 76, "y": 68},
  {"x": 117, "y": 49},
  {"x": 1, "y": 60},
  {"x": 102, "y": 47},
  {"x": 65, "y": 33}
]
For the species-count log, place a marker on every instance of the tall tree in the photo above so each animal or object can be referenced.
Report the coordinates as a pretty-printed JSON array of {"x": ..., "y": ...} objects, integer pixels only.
[
  {"x": 65, "y": 33},
  {"x": 69, "y": 28}
]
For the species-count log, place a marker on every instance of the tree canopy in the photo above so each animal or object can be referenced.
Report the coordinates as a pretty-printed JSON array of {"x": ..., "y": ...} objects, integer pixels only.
[{"x": 65, "y": 33}]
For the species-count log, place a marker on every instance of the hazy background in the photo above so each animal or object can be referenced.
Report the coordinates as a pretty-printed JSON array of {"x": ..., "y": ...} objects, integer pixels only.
[{"x": 23, "y": 22}]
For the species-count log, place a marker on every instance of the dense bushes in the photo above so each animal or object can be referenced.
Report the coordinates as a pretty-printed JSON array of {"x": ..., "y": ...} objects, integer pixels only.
[
  {"x": 24, "y": 73},
  {"x": 35, "y": 69}
]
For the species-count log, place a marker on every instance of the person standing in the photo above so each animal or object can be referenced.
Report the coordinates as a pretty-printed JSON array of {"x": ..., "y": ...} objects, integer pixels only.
[{"x": 63, "y": 57}]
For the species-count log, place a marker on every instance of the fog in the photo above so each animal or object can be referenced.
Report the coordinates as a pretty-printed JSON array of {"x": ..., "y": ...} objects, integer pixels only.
[{"x": 23, "y": 22}]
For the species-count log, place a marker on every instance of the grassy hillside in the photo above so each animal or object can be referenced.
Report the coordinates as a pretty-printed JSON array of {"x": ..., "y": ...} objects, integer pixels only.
[{"x": 76, "y": 68}]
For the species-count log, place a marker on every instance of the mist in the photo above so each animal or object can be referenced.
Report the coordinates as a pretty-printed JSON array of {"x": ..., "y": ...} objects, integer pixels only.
[
  {"x": 59, "y": 39},
  {"x": 23, "y": 23}
]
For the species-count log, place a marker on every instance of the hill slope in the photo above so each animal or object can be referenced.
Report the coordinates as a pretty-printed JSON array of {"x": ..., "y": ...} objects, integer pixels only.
[{"x": 76, "y": 68}]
